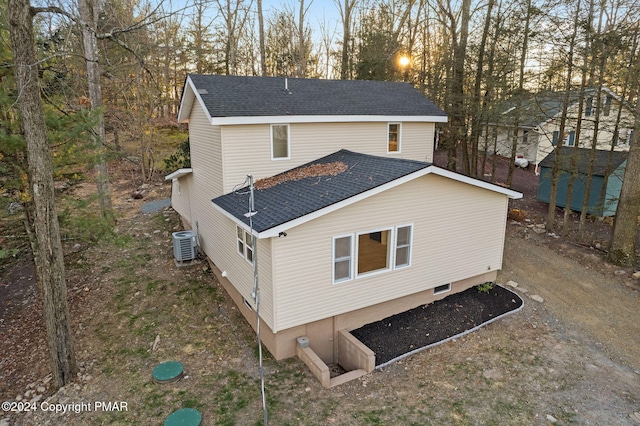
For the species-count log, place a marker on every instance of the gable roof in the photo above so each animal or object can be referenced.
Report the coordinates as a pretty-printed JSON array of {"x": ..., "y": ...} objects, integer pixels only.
[
  {"x": 538, "y": 108},
  {"x": 582, "y": 160},
  {"x": 242, "y": 99},
  {"x": 294, "y": 202}
]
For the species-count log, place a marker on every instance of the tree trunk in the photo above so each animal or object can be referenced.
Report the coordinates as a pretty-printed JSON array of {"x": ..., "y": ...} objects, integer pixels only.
[
  {"x": 302, "y": 51},
  {"x": 477, "y": 107},
  {"x": 523, "y": 60},
  {"x": 458, "y": 122},
  {"x": 48, "y": 254},
  {"x": 622, "y": 248},
  {"x": 345, "y": 15},
  {"x": 557, "y": 152},
  {"x": 263, "y": 54},
  {"x": 88, "y": 10}
]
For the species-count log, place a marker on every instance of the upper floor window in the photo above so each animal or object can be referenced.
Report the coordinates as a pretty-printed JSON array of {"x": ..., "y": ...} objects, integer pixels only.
[
  {"x": 588, "y": 111},
  {"x": 607, "y": 105},
  {"x": 393, "y": 141},
  {"x": 279, "y": 141},
  {"x": 569, "y": 139}
]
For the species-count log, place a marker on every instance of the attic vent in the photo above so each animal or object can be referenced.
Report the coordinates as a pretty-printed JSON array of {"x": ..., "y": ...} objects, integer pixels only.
[
  {"x": 286, "y": 87},
  {"x": 184, "y": 245},
  {"x": 203, "y": 91}
]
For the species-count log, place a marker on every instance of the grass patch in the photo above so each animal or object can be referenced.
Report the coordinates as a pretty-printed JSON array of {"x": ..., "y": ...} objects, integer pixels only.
[
  {"x": 134, "y": 352},
  {"x": 235, "y": 391}
]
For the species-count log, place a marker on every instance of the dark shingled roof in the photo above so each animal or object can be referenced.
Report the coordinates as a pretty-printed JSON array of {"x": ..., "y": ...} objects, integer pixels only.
[
  {"x": 582, "y": 162},
  {"x": 294, "y": 199},
  {"x": 240, "y": 96},
  {"x": 535, "y": 108}
]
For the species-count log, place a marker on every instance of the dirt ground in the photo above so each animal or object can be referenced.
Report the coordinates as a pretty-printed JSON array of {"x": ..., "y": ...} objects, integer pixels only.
[{"x": 573, "y": 358}]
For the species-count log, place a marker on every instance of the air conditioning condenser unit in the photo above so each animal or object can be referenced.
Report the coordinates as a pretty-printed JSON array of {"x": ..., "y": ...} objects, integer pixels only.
[{"x": 184, "y": 245}]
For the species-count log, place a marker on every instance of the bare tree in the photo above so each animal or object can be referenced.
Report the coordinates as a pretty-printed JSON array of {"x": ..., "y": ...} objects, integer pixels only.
[
  {"x": 346, "y": 11},
  {"x": 47, "y": 247},
  {"x": 89, "y": 11},
  {"x": 261, "y": 42},
  {"x": 303, "y": 51},
  {"x": 557, "y": 152},
  {"x": 235, "y": 14},
  {"x": 477, "y": 110},
  {"x": 622, "y": 247},
  {"x": 523, "y": 59}
]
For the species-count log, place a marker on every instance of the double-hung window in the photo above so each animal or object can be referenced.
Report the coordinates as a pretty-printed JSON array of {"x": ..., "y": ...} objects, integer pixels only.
[
  {"x": 393, "y": 139},
  {"x": 403, "y": 246},
  {"x": 245, "y": 244},
  {"x": 279, "y": 141},
  {"x": 342, "y": 258}
]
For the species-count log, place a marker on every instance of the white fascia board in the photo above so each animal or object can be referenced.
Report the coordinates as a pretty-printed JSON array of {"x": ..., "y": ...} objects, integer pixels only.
[
  {"x": 189, "y": 95},
  {"x": 475, "y": 182},
  {"x": 286, "y": 119},
  {"x": 233, "y": 218},
  {"x": 178, "y": 174}
]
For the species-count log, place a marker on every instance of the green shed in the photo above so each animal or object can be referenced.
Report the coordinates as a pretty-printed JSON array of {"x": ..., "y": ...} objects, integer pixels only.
[{"x": 608, "y": 169}]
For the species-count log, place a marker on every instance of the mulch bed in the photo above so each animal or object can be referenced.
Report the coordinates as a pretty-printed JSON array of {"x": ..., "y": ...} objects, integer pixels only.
[{"x": 427, "y": 325}]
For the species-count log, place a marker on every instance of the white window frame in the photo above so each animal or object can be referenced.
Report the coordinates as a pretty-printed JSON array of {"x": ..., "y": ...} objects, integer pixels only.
[
  {"x": 271, "y": 129},
  {"x": 409, "y": 246},
  {"x": 399, "y": 137},
  {"x": 239, "y": 241},
  {"x": 334, "y": 259},
  {"x": 245, "y": 247},
  {"x": 390, "y": 252},
  {"x": 355, "y": 248}
]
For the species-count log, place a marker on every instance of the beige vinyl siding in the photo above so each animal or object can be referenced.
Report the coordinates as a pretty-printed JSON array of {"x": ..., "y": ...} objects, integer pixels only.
[
  {"x": 180, "y": 196},
  {"x": 454, "y": 237},
  {"x": 216, "y": 233},
  {"x": 206, "y": 151},
  {"x": 247, "y": 148},
  {"x": 224, "y": 254},
  {"x": 206, "y": 181}
]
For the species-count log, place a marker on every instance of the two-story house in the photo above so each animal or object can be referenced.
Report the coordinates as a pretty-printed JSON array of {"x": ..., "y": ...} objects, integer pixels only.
[
  {"x": 351, "y": 222},
  {"x": 533, "y": 121}
]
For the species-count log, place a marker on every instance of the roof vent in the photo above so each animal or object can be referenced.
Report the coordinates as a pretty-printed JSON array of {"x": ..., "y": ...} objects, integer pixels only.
[
  {"x": 203, "y": 91},
  {"x": 184, "y": 245},
  {"x": 286, "y": 87}
]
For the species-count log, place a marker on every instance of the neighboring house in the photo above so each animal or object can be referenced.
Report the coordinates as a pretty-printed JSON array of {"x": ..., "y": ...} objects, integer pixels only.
[
  {"x": 607, "y": 172},
  {"x": 352, "y": 222},
  {"x": 538, "y": 119}
]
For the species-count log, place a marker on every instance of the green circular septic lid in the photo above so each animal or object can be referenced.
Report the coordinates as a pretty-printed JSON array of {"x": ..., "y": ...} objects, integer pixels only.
[
  {"x": 184, "y": 417},
  {"x": 169, "y": 371}
]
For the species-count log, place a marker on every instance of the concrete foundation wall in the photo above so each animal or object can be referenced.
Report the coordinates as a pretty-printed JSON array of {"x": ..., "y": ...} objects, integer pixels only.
[
  {"x": 325, "y": 338},
  {"x": 353, "y": 354}
]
